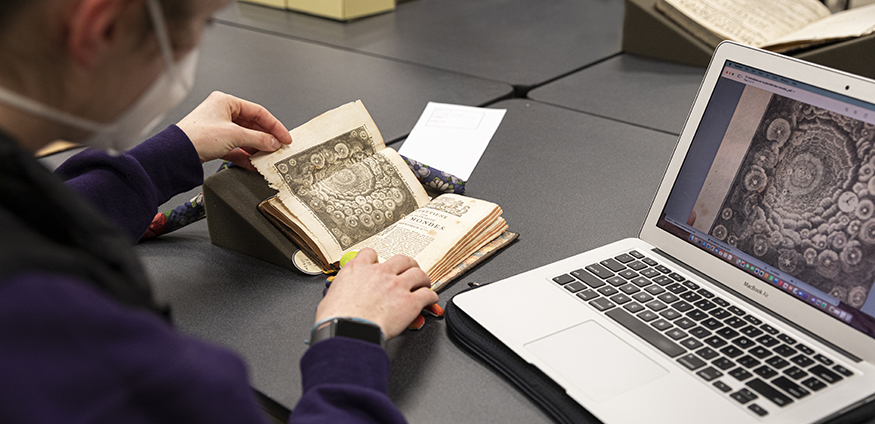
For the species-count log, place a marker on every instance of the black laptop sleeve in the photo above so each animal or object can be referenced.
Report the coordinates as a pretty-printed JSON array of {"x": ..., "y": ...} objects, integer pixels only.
[
  {"x": 542, "y": 389},
  {"x": 534, "y": 383}
]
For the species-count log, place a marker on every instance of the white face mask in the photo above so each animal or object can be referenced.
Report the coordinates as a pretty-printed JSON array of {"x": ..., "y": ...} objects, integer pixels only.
[{"x": 128, "y": 130}]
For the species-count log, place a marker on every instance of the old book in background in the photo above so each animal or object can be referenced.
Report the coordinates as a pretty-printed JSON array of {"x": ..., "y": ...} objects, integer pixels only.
[
  {"x": 777, "y": 25},
  {"x": 340, "y": 190}
]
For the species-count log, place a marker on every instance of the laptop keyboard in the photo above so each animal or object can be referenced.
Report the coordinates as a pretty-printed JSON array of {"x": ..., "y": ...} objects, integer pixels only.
[{"x": 753, "y": 363}]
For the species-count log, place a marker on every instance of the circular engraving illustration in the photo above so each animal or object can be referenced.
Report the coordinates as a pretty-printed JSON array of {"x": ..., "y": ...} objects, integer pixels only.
[
  {"x": 802, "y": 199},
  {"x": 353, "y": 191}
]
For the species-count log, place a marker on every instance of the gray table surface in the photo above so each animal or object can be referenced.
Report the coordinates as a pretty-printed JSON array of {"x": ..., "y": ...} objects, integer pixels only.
[
  {"x": 298, "y": 80},
  {"x": 566, "y": 181},
  {"x": 520, "y": 42},
  {"x": 639, "y": 91}
]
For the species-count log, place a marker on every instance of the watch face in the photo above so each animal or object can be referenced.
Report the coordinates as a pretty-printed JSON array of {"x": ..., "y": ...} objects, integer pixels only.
[{"x": 357, "y": 330}]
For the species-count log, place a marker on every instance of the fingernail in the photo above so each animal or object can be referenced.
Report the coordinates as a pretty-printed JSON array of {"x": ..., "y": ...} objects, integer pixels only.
[{"x": 274, "y": 143}]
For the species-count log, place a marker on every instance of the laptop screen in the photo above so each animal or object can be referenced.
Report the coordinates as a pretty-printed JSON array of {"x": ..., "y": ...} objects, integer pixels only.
[{"x": 779, "y": 181}]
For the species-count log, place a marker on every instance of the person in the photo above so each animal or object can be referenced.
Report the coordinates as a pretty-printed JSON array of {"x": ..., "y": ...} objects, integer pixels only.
[{"x": 81, "y": 337}]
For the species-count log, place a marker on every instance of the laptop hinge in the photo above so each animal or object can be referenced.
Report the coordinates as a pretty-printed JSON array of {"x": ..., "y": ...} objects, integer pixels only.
[{"x": 762, "y": 309}]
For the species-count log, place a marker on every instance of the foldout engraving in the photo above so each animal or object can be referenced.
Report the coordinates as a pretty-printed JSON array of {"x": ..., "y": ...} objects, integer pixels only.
[{"x": 354, "y": 191}]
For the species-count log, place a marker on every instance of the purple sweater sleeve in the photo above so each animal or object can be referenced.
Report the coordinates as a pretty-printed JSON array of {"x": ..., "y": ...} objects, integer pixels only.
[
  {"x": 70, "y": 354},
  {"x": 345, "y": 381},
  {"x": 129, "y": 188}
]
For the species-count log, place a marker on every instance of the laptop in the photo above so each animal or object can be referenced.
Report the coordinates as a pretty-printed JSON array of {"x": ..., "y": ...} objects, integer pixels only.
[{"x": 747, "y": 296}]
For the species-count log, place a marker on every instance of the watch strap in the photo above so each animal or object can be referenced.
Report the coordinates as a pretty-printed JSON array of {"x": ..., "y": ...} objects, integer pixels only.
[{"x": 354, "y": 328}]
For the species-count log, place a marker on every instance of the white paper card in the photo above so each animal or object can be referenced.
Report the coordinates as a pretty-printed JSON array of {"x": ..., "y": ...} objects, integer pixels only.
[{"x": 452, "y": 138}]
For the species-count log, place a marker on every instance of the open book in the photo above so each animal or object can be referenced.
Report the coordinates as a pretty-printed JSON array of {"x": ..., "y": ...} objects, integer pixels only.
[
  {"x": 777, "y": 25},
  {"x": 340, "y": 190}
]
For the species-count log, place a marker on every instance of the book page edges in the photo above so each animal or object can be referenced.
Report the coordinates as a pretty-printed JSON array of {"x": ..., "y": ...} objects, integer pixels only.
[
  {"x": 473, "y": 236},
  {"x": 476, "y": 258},
  {"x": 463, "y": 251},
  {"x": 844, "y": 25},
  {"x": 696, "y": 29},
  {"x": 750, "y": 22},
  {"x": 276, "y": 213}
]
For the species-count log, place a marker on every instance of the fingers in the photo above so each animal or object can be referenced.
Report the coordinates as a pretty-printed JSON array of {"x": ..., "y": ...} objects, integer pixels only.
[
  {"x": 403, "y": 266},
  {"x": 400, "y": 263},
  {"x": 223, "y": 123},
  {"x": 366, "y": 256},
  {"x": 425, "y": 297},
  {"x": 247, "y": 139},
  {"x": 240, "y": 158},
  {"x": 417, "y": 277},
  {"x": 256, "y": 117}
]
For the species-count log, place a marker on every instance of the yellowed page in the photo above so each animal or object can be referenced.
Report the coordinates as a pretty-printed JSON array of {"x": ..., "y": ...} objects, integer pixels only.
[
  {"x": 752, "y": 22},
  {"x": 429, "y": 233},
  {"x": 339, "y": 181},
  {"x": 463, "y": 251},
  {"x": 466, "y": 245},
  {"x": 847, "y": 24},
  {"x": 486, "y": 251},
  {"x": 733, "y": 148}
]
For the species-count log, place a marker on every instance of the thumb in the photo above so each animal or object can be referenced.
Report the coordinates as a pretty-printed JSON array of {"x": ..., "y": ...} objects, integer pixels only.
[{"x": 258, "y": 140}]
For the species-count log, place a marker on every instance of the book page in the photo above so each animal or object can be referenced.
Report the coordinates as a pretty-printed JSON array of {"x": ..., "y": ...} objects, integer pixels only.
[
  {"x": 847, "y": 24},
  {"x": 429, "y": 233},
  {"x": 486, "y": 251},
  {"x": 733, "y": 148},
  {"x": 752, "y": 22},
  {"x": 339, "y": 181},
  {"x": 466, "y": 247}
]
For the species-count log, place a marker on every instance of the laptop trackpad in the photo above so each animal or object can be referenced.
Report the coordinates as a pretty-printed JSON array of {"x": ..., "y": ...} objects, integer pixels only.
[{"x": 597, "y": 362}]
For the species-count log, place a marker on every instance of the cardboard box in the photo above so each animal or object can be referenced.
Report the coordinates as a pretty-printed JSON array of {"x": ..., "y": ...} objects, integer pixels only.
[
  {"x": 341, "y": 10},
  {"x": 649, "y": 33},
  {"x": 279, "y": 4}
]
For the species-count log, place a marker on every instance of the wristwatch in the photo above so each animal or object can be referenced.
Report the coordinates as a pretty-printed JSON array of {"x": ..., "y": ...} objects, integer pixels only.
[{"x": 353, "y": 328}]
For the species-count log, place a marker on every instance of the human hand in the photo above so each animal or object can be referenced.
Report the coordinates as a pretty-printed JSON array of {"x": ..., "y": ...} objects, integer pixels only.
[
  {"x": 229, "y": 128},
  {"x": 390, "y": 294}
]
